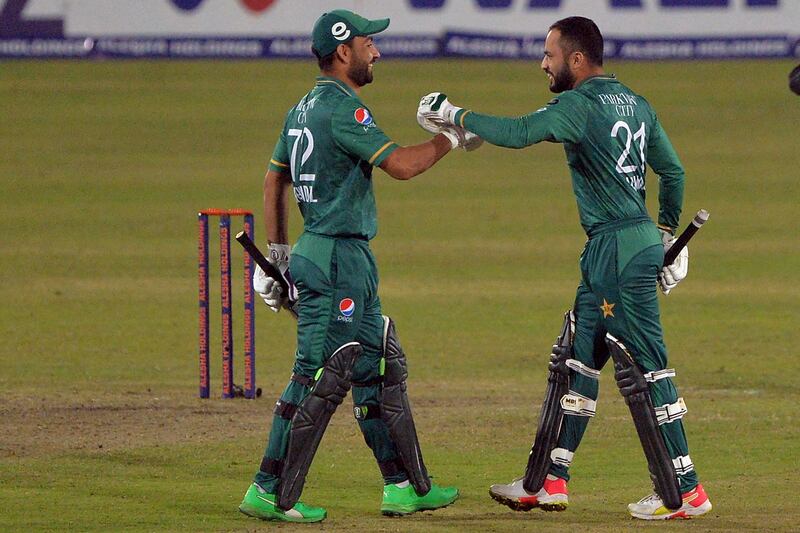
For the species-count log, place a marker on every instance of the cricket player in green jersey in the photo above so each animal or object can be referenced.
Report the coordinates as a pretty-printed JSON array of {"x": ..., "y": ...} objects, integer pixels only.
[
  {"x": 325, "y": 156},
  {"x": 610, "y": 134}
]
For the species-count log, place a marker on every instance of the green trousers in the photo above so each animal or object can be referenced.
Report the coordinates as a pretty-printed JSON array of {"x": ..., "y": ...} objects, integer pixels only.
[
  {"x": 618, "y": 295},
  {"x": 337, "y": 282}
]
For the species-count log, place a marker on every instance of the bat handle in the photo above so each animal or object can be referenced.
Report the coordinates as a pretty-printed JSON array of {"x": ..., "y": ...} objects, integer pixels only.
[
  {"x": 268, "y": 268},
  {"x": 680, "y": 243}
]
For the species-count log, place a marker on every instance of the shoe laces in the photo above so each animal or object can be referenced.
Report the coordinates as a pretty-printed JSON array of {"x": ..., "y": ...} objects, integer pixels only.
[{"x": 651, "y": 498}]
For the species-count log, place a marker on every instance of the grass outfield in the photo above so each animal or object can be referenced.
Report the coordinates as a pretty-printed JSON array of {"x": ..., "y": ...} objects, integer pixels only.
[{"x": 105, "y": 164}]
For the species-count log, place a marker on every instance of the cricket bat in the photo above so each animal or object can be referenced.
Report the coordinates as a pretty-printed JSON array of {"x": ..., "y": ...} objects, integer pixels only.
[
  {"x": 268, "y": 268},
  {"x": 697, "y": 222}
]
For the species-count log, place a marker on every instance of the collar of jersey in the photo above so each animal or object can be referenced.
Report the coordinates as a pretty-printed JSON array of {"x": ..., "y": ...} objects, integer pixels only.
[
  {"x": 322, "y": 81},
  {"x": 611, "y": 77}
]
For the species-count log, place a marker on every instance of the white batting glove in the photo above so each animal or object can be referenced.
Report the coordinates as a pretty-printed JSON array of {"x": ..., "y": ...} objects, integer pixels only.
[
  {"x": 426, "y": 124},
  {"x": 269, "y": 288},
  {"x": 437, "y": 109},
  {"x": 671, "y": 275},
  {"x": 456, "y": 135}
]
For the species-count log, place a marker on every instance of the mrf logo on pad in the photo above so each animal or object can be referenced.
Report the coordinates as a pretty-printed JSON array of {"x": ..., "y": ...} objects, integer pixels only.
[{"x": 346, "y": 309}]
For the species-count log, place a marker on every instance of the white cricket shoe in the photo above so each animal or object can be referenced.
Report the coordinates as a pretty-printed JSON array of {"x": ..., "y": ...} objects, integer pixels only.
[
  {"x": 695, "y": 503},
  {"x": 551, "y": 497}
]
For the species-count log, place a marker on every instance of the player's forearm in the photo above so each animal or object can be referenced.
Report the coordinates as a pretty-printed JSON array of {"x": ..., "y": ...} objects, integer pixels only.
[
  {"x": 665, "y": 162},
  {"x": 409, "y": 161},
  {"x": 670, "y": 200},
  {"x": 500, "y": 131},
  {"x": 276, "y": 216}
]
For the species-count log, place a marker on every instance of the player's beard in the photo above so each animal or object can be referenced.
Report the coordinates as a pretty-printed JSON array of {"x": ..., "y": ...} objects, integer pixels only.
[
  {"x": 563, "y": 80},
  {"x": 360, "y": 72}
]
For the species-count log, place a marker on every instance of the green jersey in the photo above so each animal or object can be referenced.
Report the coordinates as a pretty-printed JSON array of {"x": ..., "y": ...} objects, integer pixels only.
[
  {"x": 609, "y": 135},
  {"x": 329, "y": 144}
]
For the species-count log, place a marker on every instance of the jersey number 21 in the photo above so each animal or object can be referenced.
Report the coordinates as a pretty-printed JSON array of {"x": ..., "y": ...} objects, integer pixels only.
[{"x": 634, "y": 174}]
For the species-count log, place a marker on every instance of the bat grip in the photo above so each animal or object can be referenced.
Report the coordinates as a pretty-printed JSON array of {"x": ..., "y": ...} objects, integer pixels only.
[
  {"x": 268, "y": 268},
  {"x": 683, "y": 239}
]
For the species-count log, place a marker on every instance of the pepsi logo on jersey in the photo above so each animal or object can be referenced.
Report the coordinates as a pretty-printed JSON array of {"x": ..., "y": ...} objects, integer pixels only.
[
  {"x": 346, "y": 309},
  {"x": 363, "y": 117}
]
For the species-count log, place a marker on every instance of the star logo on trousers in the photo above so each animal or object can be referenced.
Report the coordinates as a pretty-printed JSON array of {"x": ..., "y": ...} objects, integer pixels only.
[{"x": 608, "y": 309}]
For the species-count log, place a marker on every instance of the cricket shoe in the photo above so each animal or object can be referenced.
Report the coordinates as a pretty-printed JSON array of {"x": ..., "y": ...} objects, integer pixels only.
[
  {"x": 695, "y": 503},
  {"x": 401, "y": 499},
  {"x": 553, "y": 496},
  {"x": 261, "y": 504}
]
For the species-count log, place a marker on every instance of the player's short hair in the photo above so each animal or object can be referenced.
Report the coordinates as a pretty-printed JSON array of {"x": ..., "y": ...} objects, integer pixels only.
[
  {"x": 326, "y": 62},
  {"x": 579, "y": 34}
]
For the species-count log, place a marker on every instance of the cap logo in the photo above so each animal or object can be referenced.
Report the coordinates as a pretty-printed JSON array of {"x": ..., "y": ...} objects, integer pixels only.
[{"x": 340, "y": 31}]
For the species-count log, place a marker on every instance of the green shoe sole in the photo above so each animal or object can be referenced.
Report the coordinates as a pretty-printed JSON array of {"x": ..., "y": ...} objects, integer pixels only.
[
  {"x": 404, "y": 510},
  {"x": 276, "y": 517}
]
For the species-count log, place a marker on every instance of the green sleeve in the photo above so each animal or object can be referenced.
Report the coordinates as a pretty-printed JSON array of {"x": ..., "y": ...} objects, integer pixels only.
[
  {"x": 355, "y": 131},
  {"x": 664, "y": 161},
  {"x": 562, "y": 120},
  {"x": 279, "y": 162}
]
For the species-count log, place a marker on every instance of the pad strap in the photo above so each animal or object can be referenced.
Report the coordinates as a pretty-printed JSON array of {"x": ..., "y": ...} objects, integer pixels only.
[
  {"x": 562, "y": 457},
  {"x": 683, "y": 465},
  {"x": 670, "y": 412},
  {"x": 655, "y": 375},
  {"x": 580, "y": 368},
  {"x": 303, "y": 380},
  {"x": 285, "y": 410},
  {"x": 575, "y": 404}
]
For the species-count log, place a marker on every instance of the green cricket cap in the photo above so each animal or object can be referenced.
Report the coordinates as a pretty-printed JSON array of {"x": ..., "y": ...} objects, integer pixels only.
[{"x": 339, "y": 27}]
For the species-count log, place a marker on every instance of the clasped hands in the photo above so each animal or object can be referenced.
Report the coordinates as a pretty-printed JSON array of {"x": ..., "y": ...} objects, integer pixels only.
[{"x": 436, "y": 114}]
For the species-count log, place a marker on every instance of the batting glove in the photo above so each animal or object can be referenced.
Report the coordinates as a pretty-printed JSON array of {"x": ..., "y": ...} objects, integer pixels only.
[
  {"x": 269, "y": 288},
  {"x": 436, "y": 108},
  {"x": 672, "y": 274},
  {"x": 467, "y": 140},
  {"x": 461, "y": 137},
  {"x": 426, "y": 124},
  {"x": 456, "y": 135}
]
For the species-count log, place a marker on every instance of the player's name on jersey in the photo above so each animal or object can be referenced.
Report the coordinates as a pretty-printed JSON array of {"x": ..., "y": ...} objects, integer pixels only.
[{"x": 305, "y": 193}]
